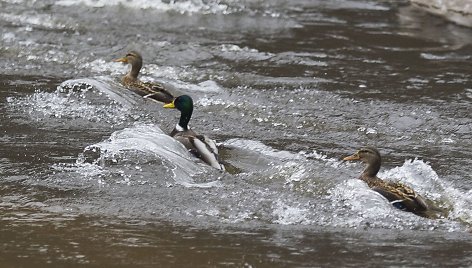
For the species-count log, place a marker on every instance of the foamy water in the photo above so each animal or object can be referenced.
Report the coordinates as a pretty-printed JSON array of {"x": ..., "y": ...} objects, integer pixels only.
[{"x": 286, "y": 89}]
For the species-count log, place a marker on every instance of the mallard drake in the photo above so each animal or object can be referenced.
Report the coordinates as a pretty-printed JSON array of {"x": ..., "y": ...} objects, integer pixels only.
[
  {"x": 398, "y": 194},
  {"x": 149, "y": 90},
  {"x": 199, "y": 145}
]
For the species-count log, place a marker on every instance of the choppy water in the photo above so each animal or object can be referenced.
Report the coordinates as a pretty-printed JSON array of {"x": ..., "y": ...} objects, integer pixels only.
[{"x": 89, "y": 176}]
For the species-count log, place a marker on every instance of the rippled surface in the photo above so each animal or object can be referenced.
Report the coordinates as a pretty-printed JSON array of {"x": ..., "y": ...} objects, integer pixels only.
[{"x": 89, "y": 177}]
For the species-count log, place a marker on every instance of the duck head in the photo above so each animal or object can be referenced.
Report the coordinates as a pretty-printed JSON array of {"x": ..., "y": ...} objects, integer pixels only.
[
  {"x": 135, "y": 60},
  {"x": 184, "y": 104},
  {"x": 369, "y": 156}
]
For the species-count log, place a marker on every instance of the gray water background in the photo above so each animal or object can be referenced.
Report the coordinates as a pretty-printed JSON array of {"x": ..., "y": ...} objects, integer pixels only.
[{"x": 287, "y": 88}]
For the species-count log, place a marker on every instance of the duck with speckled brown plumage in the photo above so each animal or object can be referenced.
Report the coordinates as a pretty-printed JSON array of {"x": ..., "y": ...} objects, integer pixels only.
[
  {"x": 153, "y": 91},
  {"x": 398, "y": 194}
]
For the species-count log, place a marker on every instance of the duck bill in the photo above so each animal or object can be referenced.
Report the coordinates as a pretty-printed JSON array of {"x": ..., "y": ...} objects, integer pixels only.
[
  {"x": 352, "y": 157},
  {"x": 169, "y": 105},
  {"x": 123, "y": 60}
]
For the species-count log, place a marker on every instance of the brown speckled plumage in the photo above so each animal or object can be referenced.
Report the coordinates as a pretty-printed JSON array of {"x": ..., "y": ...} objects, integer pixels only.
[
  {"x": 400, "y": 195},
  {"x": 153, "y": 91}
]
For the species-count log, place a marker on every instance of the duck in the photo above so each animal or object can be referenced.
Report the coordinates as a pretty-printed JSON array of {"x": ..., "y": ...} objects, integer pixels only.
[
  {"x": 153, "y": 91},
  {"x": 199, "y": 145},
  {"x": 399, "y": 195}
]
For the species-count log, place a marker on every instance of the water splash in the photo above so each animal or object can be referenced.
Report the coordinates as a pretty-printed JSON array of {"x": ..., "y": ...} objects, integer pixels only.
[
  {"x": 236, "y": 53},
  {"x": 183, "y": 7},
  {"x": 257, "y": 146},
  {"x": 368, "y": 206},
  {"x": 289, "y": 214},
  {"x": 78, "y": 100},
  {"x": 146, "y": 145},
  {"x": 31, "y": 21},
  {"x": 421, "y": 176}
]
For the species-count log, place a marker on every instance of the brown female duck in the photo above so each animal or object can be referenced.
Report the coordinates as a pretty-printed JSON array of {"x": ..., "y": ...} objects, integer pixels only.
[
  {"x": 149, "y": 90},
  {"x": 398, "y": 194}
]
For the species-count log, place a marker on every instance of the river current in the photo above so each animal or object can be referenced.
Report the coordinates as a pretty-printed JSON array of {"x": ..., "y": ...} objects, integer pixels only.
[{"x": 89, "y": 176}]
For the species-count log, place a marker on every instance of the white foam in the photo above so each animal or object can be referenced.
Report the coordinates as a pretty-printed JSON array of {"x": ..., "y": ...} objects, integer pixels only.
[
  {"x": 36, "y": 20},
  {"x": 358, "y": 196},
  {"x": 356, "y": 205},
  {"x": 367, "y": 130},
  {"x": 363, "y": 5},
  {"x": 421, "y": 176},
  {"x": 45, "y": 105},
  {"x": 300, "y": 59},
  {"x": 429, "y": 56},
  {"x": 102, "y": 66},
  {"x": 150, "y": 139},
  {"x": 257, "y": 146},
  {"x": 96, "y": 100},
  {"x": 333, "y": 162},
  {"x": 168, "y": 72},
  {"x": 208, "y": 86},
  {"x": 287, "y": 214},
  {"x": 8, "y": 37},
  {"x": 206, "y": 101},
  {"x": 234, "y": 52},
  {"x": 189, "y": 7},
  {"x": 418, "y": 175}
]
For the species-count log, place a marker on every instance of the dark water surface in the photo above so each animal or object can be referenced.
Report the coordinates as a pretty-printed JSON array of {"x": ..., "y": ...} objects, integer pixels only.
[{"x": 88, "y": 176}]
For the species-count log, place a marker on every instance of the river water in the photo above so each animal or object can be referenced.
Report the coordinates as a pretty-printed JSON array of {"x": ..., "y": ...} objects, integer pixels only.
[{"x": 88, "y": 176}]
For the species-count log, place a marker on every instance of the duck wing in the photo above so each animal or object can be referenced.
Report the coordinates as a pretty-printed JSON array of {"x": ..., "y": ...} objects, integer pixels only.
[
  {"x": 148, "y": 90},
  {"x": 402, "y": 197},
  {"x": 207, "y": 150},
  {"x": 202, "y": 147},
  {"x": 156, "y": 92}
]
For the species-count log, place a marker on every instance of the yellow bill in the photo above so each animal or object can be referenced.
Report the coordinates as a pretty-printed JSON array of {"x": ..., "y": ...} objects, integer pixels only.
[
  {"x": 169, "y": 105},
  {"x": 124, "y": 60},
  {"x": 352, "y": 157}
]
